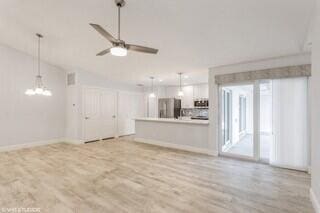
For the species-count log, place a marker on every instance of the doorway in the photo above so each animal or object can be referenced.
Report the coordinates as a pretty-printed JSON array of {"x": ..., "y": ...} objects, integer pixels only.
[
  {"x": 237, "y": 104},
  {"x": 265, "y": 120},
  {"x": 99, "y": 114}
]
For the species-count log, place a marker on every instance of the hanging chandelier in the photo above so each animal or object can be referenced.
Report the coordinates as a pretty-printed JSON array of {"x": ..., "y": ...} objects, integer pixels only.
[{"x": 39, "y": 88}]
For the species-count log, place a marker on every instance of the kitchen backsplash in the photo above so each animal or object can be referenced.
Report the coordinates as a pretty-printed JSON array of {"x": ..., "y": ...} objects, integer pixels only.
[{"x": 194, "y": 112}]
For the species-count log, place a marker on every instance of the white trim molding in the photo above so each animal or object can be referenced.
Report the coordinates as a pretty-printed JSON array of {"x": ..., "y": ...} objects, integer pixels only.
[
  {"x": 73, "y": 141},
  {"x": 176, "y": 146},
  {"x": 29, "y": 145},
  {"x": 314, "y": 201}
]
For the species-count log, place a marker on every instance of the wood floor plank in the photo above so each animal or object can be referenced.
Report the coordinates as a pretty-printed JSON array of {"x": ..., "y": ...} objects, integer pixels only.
[{"x": 123, "y": 176}]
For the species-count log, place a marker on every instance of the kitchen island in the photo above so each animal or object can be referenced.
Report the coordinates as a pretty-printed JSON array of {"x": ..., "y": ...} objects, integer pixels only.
[{"x": 184, "y": 134}]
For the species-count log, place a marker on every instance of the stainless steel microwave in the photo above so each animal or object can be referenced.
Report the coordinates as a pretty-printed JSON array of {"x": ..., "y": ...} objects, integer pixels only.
[{"x": 201, "y": 103}]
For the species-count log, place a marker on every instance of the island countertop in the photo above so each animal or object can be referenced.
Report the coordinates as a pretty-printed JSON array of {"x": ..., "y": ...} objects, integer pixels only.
[{"x": 172, "y": 120}]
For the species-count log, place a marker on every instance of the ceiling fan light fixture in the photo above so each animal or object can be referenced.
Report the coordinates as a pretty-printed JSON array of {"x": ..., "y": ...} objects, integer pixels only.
[
  {"x": 119, "y": 51},
  {"x": 120, "y": 48}
]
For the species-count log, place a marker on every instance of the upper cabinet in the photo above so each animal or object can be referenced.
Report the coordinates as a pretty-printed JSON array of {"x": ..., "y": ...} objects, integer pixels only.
[
  {"x": 187, "y": 98},
  {"x": 200, "y": 91},
  {"x": 172, "y": 92}
]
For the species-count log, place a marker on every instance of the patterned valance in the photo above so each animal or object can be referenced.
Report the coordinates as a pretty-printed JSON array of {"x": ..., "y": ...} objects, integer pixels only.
[{"x": 274, "y": 73}]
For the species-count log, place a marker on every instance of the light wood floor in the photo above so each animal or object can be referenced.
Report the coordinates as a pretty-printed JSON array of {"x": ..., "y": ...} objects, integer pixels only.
[{"x": 123, "y": 176}]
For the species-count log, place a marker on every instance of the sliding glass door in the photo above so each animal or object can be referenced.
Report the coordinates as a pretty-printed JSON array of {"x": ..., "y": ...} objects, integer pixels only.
[
  {"x": 266, "y": 120},
  {"x": 227, "y": 116},
  {"x": 237, "y": 120}
]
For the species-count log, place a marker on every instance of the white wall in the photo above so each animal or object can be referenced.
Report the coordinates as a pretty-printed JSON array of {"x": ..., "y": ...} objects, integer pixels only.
[
  {"x": 241, "y": 67},
  {"x": 315, "y": 111},
  {"x": 25, "y": 119},
  {"x": 74, "y": 127},
  {"x": 130, "y": 105}
]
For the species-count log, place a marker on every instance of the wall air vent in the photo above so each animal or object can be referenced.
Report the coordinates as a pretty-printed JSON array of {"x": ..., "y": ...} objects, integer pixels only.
[{"x": 71, "y": 79}]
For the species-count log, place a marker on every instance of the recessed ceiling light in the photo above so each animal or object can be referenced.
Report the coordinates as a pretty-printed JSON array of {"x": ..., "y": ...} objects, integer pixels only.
[
  {"x": 186, "y": 76},
  {"x": 160, "y": 80}
]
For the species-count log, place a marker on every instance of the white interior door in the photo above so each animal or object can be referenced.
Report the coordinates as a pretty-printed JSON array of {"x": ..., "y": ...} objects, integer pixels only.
[
  {"x": 108, "y": 109},
  {"x": 91, "y": 104}
]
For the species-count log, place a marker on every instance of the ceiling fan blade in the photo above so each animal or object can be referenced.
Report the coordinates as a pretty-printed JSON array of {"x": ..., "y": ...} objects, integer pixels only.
[
  {"x": 104, "y": 33},
  {"x": 104, "y": 52},
  {"x": 141, "y": 49}
]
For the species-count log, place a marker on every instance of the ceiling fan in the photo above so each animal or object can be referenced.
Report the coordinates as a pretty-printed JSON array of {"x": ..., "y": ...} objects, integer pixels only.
[{"x": 119, "y": 47}]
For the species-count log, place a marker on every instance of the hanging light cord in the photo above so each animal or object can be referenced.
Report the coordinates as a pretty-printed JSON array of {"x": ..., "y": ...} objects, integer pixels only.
[
  {"x": 152, "y": 84},
  {"x": 39, "y": 37},
  {"x": 180, "y": 81}
]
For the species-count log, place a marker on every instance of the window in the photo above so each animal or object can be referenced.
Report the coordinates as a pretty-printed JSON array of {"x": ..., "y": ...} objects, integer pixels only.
[{"x": 242, "y": 113}]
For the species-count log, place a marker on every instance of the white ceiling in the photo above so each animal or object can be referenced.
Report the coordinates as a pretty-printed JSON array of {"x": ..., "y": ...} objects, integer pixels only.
[{"x": 191, "y": 35}]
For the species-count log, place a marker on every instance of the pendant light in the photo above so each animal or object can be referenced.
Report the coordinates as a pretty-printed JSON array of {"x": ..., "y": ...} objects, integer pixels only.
[
  {"x": 39, "y": 89},
  {"x": 152, "y": 95},
  {"x": 180, "y": 93}
]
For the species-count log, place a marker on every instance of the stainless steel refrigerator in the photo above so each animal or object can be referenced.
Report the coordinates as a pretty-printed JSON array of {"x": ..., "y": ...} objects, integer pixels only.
[{"x": 169, "y": 107}]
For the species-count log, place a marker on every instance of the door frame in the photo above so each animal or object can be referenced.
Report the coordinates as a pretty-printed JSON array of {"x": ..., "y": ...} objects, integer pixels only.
[
  {"x": 222, "y": 117},
  {"x": 256, "y": 121}
]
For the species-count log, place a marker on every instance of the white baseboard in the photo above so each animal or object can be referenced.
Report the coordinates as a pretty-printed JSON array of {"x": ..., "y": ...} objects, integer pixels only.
[
  {"x": 315, "y": 202},
  {"x": 73, "y": 141},
  {"x": 304, "y": 169},
  {"x": 177, "y": 146},
  {"x": 309, "y": 170},
  {"x": 29, "y": 145}
]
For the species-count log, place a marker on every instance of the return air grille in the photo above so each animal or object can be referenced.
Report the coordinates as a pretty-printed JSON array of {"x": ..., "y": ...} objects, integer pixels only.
[{"x": 71, "y": 79}]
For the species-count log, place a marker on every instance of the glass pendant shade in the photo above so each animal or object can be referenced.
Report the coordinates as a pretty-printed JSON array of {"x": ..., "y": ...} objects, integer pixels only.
[
  {"x": 152, "y": 95},
  {"x": 180, "y": 93},
  {"x": 47, "y": 93},
  {"x": 30, "y": 92},
  {"x": 38, "y": 91}
]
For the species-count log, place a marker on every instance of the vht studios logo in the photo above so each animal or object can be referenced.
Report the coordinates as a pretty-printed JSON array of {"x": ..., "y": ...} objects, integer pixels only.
[{"x": 20, "y": 210}]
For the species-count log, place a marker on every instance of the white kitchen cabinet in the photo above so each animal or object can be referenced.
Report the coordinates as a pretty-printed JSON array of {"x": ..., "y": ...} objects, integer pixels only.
[
  {"x": 187, "y": 99},
  {"x": 161, "y": 92},
  {"x": 172, "y": 92},
  {"x": 201, "y": 91}
]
